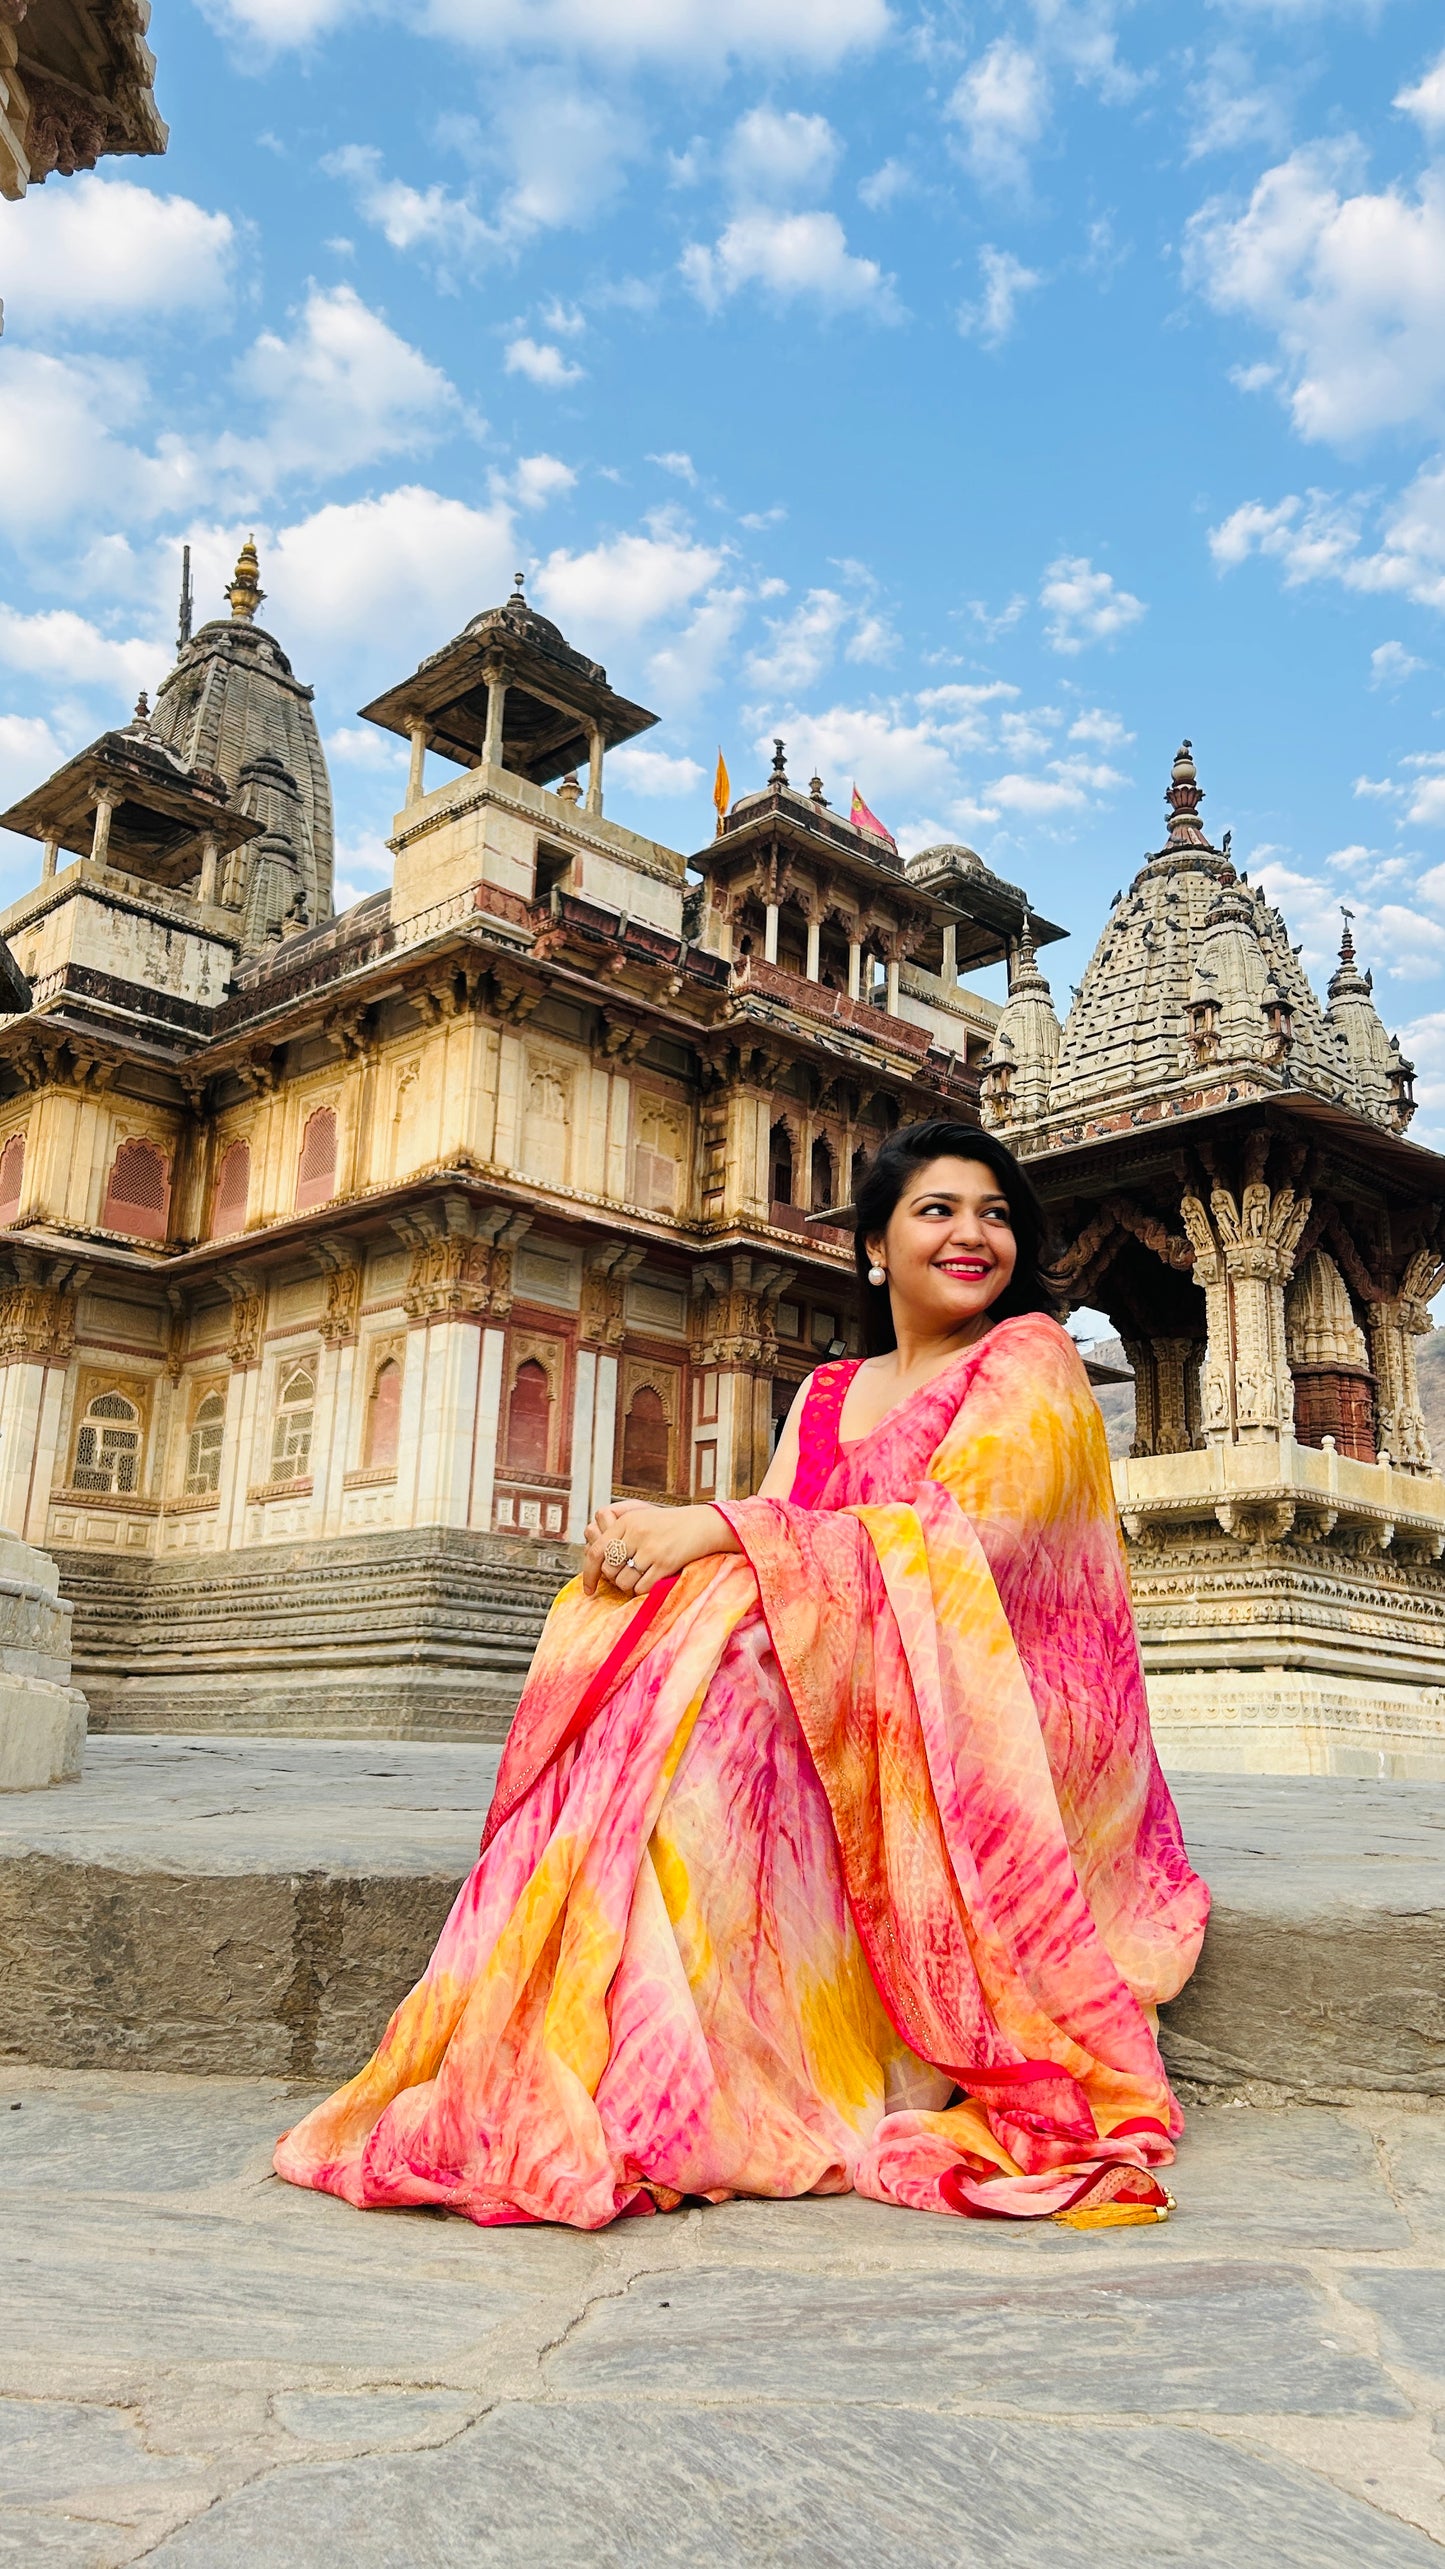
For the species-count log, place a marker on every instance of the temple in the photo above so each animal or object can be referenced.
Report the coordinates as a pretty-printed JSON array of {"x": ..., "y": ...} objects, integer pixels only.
[
  {"x": 349, "y": 1262},
  {"x": 1228, "y": 1165}
]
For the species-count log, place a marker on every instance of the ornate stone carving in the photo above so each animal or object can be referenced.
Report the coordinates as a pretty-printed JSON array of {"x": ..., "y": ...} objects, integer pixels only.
[
  {"x": 604, "y": 1288},
  {"x": 248, "y": 1319},
  {"x": 66, "y": 132},
  {"x": 342, "y": 1309},
  {"x": 461, "y": 1259},
  {"x": 735, "y": 1317}
]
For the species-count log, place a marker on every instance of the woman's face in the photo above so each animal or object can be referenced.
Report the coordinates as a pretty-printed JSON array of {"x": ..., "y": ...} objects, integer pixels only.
[{"x": 949, "y": 1249}]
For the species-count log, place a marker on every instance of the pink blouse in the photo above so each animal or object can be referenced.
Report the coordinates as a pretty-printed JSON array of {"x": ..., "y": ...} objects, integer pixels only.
[{"x": 819, "y": 1444}]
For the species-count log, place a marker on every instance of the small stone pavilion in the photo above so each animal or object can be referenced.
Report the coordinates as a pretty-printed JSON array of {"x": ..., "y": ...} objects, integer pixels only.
[
  {"x": 347, "y": 1263},
  {"x": 1227, "y": 1164}
]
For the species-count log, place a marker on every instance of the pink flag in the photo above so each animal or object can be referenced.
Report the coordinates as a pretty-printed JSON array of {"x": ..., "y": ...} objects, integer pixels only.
[{"x": 863, "y": 819}]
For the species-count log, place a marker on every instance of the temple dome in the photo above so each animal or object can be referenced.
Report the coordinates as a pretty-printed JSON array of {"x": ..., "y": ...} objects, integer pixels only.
[
  {"x": 1018, "y": 1073},
  {"x": 1194, "y": 982},
  {"x": 233, "y": 704}
]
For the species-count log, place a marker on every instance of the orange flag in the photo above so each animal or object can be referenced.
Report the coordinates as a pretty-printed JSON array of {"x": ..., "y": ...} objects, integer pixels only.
[{"x": 722, "y": 792}]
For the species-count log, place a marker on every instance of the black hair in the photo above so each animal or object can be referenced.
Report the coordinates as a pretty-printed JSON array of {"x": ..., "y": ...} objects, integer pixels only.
[{"x": 875, "y": 1200}]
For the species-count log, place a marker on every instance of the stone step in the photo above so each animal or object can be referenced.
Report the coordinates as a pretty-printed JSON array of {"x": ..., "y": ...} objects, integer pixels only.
[{"x": 258, "y": 1905}]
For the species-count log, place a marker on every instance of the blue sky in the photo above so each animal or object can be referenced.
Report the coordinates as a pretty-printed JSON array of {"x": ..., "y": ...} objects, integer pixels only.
[{"x": 980, "y": 397}]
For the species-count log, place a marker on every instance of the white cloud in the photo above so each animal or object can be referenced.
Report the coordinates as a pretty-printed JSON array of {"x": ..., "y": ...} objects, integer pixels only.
[
  {"x": 107, "y": 253},
  {"x": 1105, "y": 731},
  {"x": 1231, "y": 107},
  {"x": 62, "y": 460},
  {"x": 1426, "y": 101},
  {"x": 802, "y": 644},
  {"x": 372, "y": 584},
  {"x": 681, "y": 466},
  {"x": 707, "y": 34},
  {"x": 363, "y": 866},
  {"x": 1083, "y": 605},
  {"x": 653, "y": 772},
  {"x": 540, "y": 478},
  {"x": 432, "y": 220},
  {"x": 542, "y": 364},
  {"x": 1001, "y": 107},
  {"x": 1351, "y": 284},
  {"x": 888, "y": 756},
  {"x": 626, "y": 582},
  {"x": 684, "y": 667},
  {"x": 1391, "y": 664},
  {"x": 1316, "y": 536},
  {"x": 344, "y": 390},
  {"x": 884, "y": 185},
  {"x": 779, "y": 157},
  {"x": 1005, "y": 281},
  {"x": 552, "y": 159},
  {"x": 362, "y": 745},
  {"x": 788, "y": 256},
  {"x": 29, "y": 750},
  {"x": 62, "y": 645}
]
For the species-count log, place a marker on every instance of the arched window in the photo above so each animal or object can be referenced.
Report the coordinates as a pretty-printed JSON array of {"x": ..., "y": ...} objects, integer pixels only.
[
  {"x": 529, "y": 1418},
  {"x": 203, "y": 1447},
  {"x": 233, "y": 1188},
  {"x": 316, "y": 1168},
  {"x": 645, "y": 1441},
  {"x": 822, "y": 1176},
  {"x": 383, "y": 1423},
  {"x": 12, "y": 1172},
  {"x": 107, "y": 1447},
  {"x": 138, "y": 1196},
  {"x": 780, "y": 1165},
  {"x": 295, "y": 1419}
]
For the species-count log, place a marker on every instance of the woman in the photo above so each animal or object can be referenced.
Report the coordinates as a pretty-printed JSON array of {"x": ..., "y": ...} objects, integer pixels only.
[{"x": 841, "y": 1859}]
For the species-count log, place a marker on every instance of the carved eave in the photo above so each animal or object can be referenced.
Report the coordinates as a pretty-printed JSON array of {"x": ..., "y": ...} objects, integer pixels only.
[
  {"x": 1067, "y": 1160},
  {"x": 555, "y": 698},
  {"x": 76, "y": 85}
]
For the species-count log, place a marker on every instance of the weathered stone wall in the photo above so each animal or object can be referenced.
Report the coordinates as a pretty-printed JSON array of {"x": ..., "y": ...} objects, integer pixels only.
[{"x": 425, "y": 1634}]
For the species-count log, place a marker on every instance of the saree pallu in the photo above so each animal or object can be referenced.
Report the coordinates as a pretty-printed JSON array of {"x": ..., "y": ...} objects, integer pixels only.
[{"x": 845, "y": 1862}]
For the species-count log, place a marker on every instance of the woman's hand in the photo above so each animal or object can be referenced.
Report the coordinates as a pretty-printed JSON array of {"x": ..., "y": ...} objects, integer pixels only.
[{"x": 659, "y": 1540}]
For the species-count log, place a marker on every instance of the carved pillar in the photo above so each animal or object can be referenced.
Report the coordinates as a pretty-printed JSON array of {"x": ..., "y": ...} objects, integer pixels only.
[
  {"x": 1394, "y": 1327},
  {"x": 1244, "y": 1258},
  {"x": 890, "y": 996},
  {"x": 48, "y": 855},
  {"x": 105, "y": 804},
  {"x": 495, "y": 677},
  {"x": 206, "y": 887},
  {"x": 1139, "y": 1355},
  {"x": 770, "y": 932},
  {"x": 594, "y": 769},
  {"x": 949, "y": 970},
  {"x": 416, "y": 773},
  {"x": 815, "y": 940},
  {"x": 855, "y": 967}
]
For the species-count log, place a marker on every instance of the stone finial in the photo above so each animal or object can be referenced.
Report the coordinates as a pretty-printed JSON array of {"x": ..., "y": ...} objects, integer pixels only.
[
  {"x": 779, "y": 772},
  {"x": 1347, "y": 978},
  {"x": 245, "y": 592},
  {"x": 569, "y": 791},
  {"x": 816, "y": 793},
  {"x": 141, "y": 719},
  {"x": 1183, "y": 798}
]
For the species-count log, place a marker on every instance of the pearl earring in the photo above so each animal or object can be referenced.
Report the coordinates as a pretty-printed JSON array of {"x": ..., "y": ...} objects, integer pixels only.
[{"x": 877, "y": 1275}]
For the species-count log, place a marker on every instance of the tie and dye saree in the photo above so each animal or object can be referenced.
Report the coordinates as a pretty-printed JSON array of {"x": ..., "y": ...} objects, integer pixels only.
[{"x": 842, "y": 1862}]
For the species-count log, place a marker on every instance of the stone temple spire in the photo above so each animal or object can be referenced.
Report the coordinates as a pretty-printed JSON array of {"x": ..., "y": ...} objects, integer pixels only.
[
  {"x": 1374, "y": 1066},
  {"x": 233, "y": 704},
  {"x": 1019, "y": 1070}
]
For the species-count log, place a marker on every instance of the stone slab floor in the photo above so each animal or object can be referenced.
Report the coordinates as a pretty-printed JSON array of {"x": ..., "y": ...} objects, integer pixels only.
[{"x": 200, "y": 2366}]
